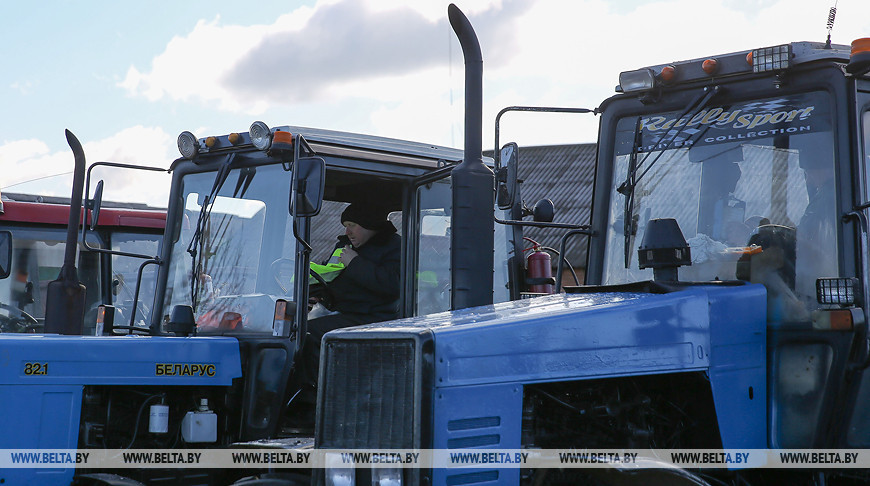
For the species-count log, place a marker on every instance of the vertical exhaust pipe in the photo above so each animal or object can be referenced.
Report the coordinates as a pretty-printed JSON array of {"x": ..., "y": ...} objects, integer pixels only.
[
  {"x": 65, "y": 300},
  {"x": 471, "y": 255}
]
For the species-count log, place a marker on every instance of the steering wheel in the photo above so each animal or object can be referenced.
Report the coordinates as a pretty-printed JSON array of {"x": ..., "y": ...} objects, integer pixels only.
[
  {"x": 276, "y": 270},
  {"x": 16, "y": 320},
  {"x": 317, "y": 277}
]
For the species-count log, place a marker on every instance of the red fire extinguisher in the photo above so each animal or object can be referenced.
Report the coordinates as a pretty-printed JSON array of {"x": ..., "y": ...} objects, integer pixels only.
[{"x": 539, "y": 273}]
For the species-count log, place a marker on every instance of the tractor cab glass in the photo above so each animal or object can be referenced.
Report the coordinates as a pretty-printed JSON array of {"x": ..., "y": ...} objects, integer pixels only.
[
  {"x": 232, "y": 269},
  {"x": 36, "y": 259},
  {"x": 751, "y": 185},
  {"x": 125, "y": 272},
  {"x": 256, "y": 228}
]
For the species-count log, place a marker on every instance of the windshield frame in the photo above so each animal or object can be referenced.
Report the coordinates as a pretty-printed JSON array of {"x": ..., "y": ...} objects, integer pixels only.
[
  {"x": 175, "y": 214},
  {"x": 734, "y": 90}
]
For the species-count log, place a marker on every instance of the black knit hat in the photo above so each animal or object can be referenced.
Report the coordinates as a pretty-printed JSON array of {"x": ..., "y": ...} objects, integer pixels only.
[{"x": 369, "y": 217}]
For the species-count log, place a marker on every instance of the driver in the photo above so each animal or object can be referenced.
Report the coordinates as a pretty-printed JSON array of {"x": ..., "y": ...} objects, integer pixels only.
[{"x": 366, "y": 291}]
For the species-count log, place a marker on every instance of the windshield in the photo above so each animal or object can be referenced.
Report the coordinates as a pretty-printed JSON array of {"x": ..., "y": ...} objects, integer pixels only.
[
  {"x": 125, "y": 271},
  {"x": 751, "y": 185},
  {"x": 246, "y": 241},
  {"x": 37, "y": 258}
]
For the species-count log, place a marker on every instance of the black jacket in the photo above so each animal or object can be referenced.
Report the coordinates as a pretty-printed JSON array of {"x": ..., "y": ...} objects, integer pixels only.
[{"x": 370, "y": 284}]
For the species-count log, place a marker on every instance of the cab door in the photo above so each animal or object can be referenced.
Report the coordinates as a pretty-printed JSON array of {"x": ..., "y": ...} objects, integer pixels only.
[
  {"x": 429, "y": 248},
  {"x": 427, "y": 289},
  {"x": 858, "y": 431}
]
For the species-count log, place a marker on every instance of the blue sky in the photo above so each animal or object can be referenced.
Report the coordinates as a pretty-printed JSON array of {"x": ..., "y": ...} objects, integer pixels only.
[
  {"x": 127, "y": 77},
  {"x": 64, "y": 60}
]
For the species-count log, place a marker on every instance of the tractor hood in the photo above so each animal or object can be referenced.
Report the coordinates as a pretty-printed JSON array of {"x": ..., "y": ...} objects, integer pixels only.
[
  {"x": 495, "y": 350},
  {"x": 46, "y": 359},
  {"x": 594, "y": 335}
]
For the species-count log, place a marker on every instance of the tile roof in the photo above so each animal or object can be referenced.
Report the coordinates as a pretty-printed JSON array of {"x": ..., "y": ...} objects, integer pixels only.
[{"x": 564, "y": 174}]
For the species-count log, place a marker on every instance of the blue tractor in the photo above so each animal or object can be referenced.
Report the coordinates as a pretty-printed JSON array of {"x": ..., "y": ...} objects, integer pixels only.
[
  {"x": 725, "y": 304},
  {"x": 248, "y": 214}
]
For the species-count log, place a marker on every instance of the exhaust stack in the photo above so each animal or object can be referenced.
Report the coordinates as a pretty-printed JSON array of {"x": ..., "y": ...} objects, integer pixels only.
[
  {"x": 65, "y": 299},
  {"x": 471, "y": 256}
]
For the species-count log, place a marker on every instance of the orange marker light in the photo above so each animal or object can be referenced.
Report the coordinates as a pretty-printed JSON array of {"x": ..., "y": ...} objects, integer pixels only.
[
  {"x": 841, "y": 320},
  {"x": 282, "y": 137},
  {"x": 282, "y": 144},
  {"x": 833, "y": 320},
  {"x": 234, "y": 138},
  {"x": 860, "y": 45},
  {"x": 749, "y": 58},
  {"x": 668, "y": 73},
  {"x": 210, "y": 142},
  {"x": 710, "y": 66},
  {"x": 859, "y": 60}
]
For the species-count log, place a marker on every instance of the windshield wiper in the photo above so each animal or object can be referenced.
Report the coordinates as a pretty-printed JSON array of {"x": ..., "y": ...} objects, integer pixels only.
[
  {"x": 632, "y": 177},
  {"x": 627, "y": 189},
  {"x": 246, "y": 176},
  {"x": 197, "y": 244}
]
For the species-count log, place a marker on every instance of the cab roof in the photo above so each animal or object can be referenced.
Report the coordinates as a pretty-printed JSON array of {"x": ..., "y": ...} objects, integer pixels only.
[
  {"x": 741, "y": 63},
  {"x": 348, "y": 145}
]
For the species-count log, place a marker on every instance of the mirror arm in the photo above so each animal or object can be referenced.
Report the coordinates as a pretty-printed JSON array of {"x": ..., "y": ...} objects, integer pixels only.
[
  {"x": 96, "y": 203},
  {"x": 546, "y": 109},
  {"x": 580, "y": 228},
  {"x": 299, "y": 238}
]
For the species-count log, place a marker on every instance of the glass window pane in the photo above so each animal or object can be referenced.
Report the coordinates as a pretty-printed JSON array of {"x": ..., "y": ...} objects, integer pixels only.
[
  {"x": 432, "y": 277},
  {"x": 756, "y": 174}
]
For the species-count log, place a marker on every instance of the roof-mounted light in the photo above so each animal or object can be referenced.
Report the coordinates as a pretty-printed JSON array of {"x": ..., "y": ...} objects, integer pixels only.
[
  {"x": 668, "y": 73},
  {"x": 710, "y": 66},
  {"x": 767, "y": 59},
  {"x": 188, "y": 145},
  {"x": 859, "y": 58},
  {"x": 640, "y": 80},
  {"x": 210, "y": 142},
  {"x": 234, "y": 138},
  {"x": 261, "y": 136},
  {"x": 282, "y": 143}
]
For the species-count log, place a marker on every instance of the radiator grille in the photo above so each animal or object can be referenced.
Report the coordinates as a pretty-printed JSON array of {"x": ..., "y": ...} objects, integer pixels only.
[{"x": 368, "y": 394}]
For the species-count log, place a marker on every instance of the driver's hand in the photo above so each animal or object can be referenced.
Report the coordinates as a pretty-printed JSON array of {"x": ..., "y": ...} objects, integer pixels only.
[
  {"x": 347, "y": 255},
  {"x": 312, "y": 301}
]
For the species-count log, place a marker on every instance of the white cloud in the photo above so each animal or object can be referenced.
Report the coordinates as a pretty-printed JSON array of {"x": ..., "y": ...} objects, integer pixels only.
[
  {"x": 23, "y": 160},
  {"x": 191, "y": 66},
  {"x": 23, "y": 87},
  {"x": 22, "y": 149},
  {"x": 28, "y": 166},
  {"x": 310, "y": 54},
  {"x": 134, "y": 145},
  {"x": 401, "y": 59},
  {"x": 571, "y": 53}
]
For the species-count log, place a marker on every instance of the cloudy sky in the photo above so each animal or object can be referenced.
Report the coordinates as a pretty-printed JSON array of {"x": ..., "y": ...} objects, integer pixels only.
[{"x": 127, "y": 77}]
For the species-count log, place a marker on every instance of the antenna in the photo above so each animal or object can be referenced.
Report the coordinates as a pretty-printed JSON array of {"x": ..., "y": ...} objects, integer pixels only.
[{"x": 831, "y": 15}]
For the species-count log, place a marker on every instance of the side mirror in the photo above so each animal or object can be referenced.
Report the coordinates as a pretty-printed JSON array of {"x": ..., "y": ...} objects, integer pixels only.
[
  {"x": 5, "y": 254},
  {"x": 544, "y": 211},
  {"x": 506, "y": 176},
  {"x": 94, "y": 205},
  {"x": 309, "y": 176}
]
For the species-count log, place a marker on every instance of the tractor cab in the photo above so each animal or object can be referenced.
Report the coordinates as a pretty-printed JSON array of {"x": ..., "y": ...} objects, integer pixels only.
[
  {"x": 255, "y": 220},
  {"x": 253, "y": 229},
  {"x": 760, "y": 157},
  {"x": 36, "y": 227}
]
